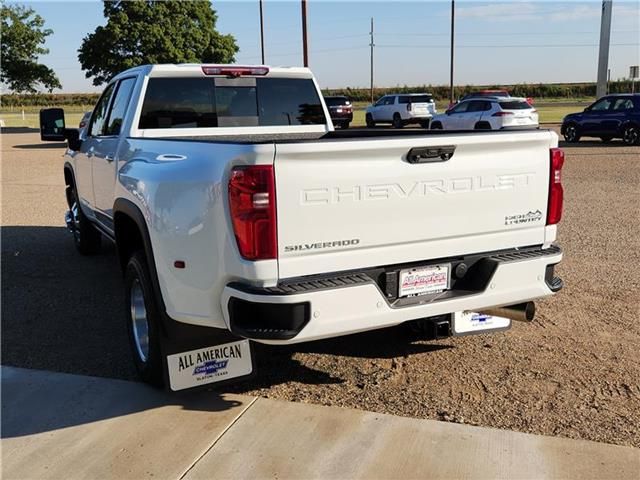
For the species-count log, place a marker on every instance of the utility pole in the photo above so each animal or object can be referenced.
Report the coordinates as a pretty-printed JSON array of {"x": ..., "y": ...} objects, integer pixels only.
[
  {"x": 371, "y": 44},
  {"x": 603, "y": 58},
  {"x": 305, "y": 53},
  {"x": 453, "y": 14},
  {"x": 261, "y": 33}
]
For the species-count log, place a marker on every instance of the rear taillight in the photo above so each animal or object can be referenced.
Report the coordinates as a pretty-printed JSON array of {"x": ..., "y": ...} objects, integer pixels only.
[
  {"x": 502, "y": 114},
  {"x": 252, "y": 203},
  {"x": 556, "y": 193}
]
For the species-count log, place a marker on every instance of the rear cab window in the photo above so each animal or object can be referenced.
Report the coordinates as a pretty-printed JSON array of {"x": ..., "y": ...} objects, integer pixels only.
[{"x": 194, "y": 102}]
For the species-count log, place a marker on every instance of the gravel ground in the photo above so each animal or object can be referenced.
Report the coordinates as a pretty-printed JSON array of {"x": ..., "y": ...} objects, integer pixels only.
[{"x": 574, "y": 372}]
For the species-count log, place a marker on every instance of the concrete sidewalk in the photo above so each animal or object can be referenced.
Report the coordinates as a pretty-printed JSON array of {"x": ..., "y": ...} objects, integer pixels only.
[{"x": 66, "y": 426}]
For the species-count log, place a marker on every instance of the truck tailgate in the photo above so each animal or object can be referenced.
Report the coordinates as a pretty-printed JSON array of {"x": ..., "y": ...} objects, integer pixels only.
[{"x": 354, "y": 203}]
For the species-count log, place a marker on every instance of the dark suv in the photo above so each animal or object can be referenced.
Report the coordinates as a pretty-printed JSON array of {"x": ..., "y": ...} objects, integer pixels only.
[
  {"x": 341, "y": 111},
  {"x": 613, "y": 116}
]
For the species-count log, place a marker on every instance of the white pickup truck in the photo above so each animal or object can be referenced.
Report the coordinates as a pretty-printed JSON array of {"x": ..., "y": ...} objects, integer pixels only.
[{"x": 240, "y": 215}]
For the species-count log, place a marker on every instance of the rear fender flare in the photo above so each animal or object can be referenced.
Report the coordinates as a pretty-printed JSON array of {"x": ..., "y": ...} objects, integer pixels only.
[{"x": 126, "y": 207}]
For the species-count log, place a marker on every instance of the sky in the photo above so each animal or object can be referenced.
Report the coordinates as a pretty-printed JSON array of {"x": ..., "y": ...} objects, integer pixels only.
[{"x": 500, "y": 42}]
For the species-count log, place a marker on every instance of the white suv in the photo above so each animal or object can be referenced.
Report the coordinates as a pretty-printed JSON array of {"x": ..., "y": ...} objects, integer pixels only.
[
  {"x": 402, "y": 109},
  {"x": 487, "y": 113}
]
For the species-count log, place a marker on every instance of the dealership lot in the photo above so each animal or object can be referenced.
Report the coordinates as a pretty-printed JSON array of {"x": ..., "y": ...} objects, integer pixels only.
[{"x": 574, "y": 372}]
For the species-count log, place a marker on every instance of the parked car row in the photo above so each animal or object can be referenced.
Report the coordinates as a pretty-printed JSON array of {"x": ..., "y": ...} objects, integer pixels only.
[{"x": 613, "y": 116}]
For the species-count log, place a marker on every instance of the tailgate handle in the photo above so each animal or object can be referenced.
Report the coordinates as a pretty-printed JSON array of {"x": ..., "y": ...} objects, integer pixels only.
[{"x": 430, "y": 154}]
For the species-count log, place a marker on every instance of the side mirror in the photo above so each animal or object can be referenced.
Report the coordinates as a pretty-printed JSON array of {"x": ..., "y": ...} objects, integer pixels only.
[{"x": 52, "y": 128}]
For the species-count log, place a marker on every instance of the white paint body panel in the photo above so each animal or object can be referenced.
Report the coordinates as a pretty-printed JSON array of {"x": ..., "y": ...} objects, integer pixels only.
[{"x": 401, "y": 212}]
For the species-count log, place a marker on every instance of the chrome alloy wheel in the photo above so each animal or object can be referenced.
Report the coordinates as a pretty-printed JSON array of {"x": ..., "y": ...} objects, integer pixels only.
[
  {"x": 139, "y": 321},
  {"x": 631, "y": 135}
]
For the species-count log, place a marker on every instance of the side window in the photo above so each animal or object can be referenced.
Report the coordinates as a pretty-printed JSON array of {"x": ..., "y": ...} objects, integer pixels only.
[
  {"x": 601, "y": 105},
  {"x": 476, "y": 106},
  {"x": 461, "y": 107},
  {"x": 119, "y": 108},
  {"x": 622, "y": 104},
  {"x": 381, "y": 102},
  {"x": 100, "y": 112},
  {"x": 390, "y": 100}
]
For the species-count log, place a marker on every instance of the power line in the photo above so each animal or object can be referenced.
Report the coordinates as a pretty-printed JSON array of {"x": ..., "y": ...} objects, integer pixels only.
[
  {"x": 511, "y": 46},
  {"x": 483, "y": 34}
]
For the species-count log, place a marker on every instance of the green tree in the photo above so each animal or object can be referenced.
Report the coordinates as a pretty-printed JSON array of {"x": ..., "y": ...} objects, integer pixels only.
[
  {"x": 145, "y": 31},
  {"x": 22, "y": 39}
]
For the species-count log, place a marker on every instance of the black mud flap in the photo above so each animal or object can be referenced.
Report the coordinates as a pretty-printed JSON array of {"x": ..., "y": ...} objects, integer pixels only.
[{"x": 204, "y": 358}]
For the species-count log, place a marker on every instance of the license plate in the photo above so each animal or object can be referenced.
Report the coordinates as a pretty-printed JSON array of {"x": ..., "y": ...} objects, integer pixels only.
[
  {"x": 424, "y": 280},
  {"x": 467, "y": 323},
  {"x": 209, "y": 365}
]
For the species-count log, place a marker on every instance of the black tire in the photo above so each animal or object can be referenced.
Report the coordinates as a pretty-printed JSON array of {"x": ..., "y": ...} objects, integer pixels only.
[
  {"x": 86, "y": 236},
  {"x": 631, "y": 135},
  {"x": 369, "y": 121},
  {"x": 436, "y": 126},
  {"x": 606, "y": 139},
  {"x": 425, "y": 123},
  {"x": 571, "y": 133},
  {"x": 482, "y": 126},
  {"x": 138, "y": 281},
  {"x": 397, "y": 121},
  {"x": 344, "y": 125}
]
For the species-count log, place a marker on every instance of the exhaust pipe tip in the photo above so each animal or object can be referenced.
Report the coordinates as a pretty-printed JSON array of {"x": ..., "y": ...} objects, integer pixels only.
[{"x": 521, "y": 312}]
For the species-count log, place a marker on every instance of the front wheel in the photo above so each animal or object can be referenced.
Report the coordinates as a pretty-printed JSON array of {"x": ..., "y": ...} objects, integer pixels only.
[
  {"x": 143, "y": 320},
  {"x": 397, "y": 121},
  {"x": 631, "y": 135},
  {"x": 344, "y": 125},
  {"x": 436, "y": 126},
  {"x": 369, "y": 120},
  {"x": 571, "y": 134},
  {"x": 86, "y": 237}
]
